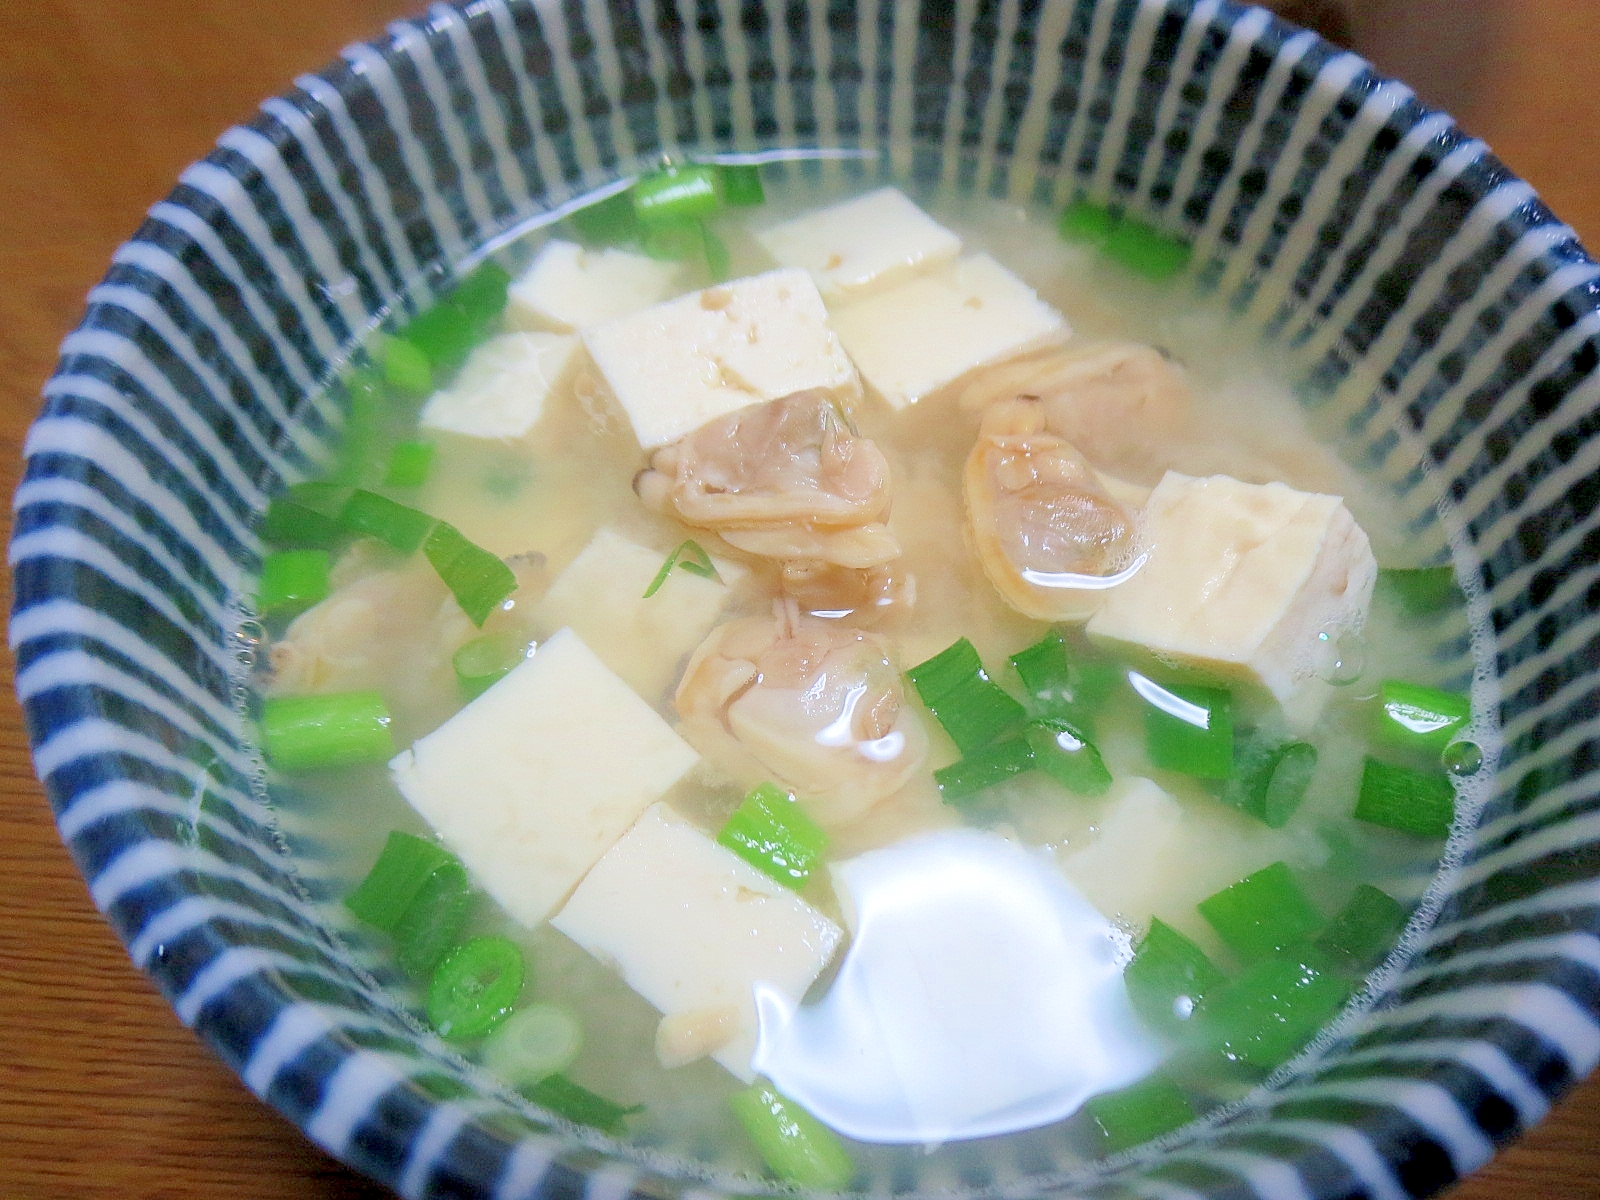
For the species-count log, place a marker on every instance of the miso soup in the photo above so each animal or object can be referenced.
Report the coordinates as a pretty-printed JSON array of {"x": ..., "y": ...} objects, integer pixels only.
[{"x": 774, "y": 664}]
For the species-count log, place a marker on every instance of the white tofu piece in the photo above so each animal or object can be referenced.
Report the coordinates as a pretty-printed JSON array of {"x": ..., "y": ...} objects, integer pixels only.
[
  {"x": 1253, "y": 582},
  {"x": 914, "y": 339},
  {"x": 863, "y": 244},
  {"x": 535, "y": 779},
  {"x": 1139, "y": 843},
  {"x": 694, "y": 929},
  {"x": 600, "y": 597},
  {"x": 502, "y": 388},
  {"x": 677, "y": 365},
  {"x": 567, "y": 288}
]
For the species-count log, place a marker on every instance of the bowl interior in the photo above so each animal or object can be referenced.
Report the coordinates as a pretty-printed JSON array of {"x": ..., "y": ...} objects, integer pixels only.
[{"x": 1436, "y": 317}]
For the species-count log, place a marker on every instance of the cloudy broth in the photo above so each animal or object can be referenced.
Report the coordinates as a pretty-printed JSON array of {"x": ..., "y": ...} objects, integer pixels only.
[{"x": 542, "y": 501}]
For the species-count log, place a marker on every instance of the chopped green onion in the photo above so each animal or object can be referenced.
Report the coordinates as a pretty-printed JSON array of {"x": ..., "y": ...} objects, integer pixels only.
[
  {"x": 1145, "y": 250},
  {"x": 1413, "y": 717},
  {"x": 475, "y": 987},
  {"x": 1364, "y": 930},
  {"x": 307, "y": 516},
  {"x": 339, "y": 729},
  {"x": 432, "y": 923},
  {"x": 1406, "y": 799},
  {"x": 479, "y": 580},
  {"x": 1085, "y": 221},
  {"x": 1168, "y": 978},
  {"x": 1271, "y": 778},
  {"x": 396, "y": 879},
  {"x": 674, "y": 242},
  {"x": 409, "y": 464},
  {"x": 1188, "y": 727},
  {"x": 1421, "y": 591},
  {"x": 741, "y": 185},
  {"x": 971, "y": 707},
  {"x": 1062, "y": 752},
  {"x": 486, "y": 660},
  {"x": 405, "y": 367},
  {"x": 608, "y": 222},
  {"x": 688, "y": 556},
  {"x": 361, "y": 440},
  {"x": 578, "y": 1104},
  {"x": 447, "y": 332},
  {"x": 292, "y": 581},
  {"x": 1136, "y": 1114},
  {"x": 1062, "y": 681},
  {"x": 532, "y": 1044},
  {"x": 1271, "y": 1010},
  {"x": 396, "y": 525},
  {"x": 772, "y": 833},
  {"x": 675, "y": 195},
  {"x": 1262, "y": 913},
  {"x": 983, "y": 768},
  {"x": 797, "y": 1147}
]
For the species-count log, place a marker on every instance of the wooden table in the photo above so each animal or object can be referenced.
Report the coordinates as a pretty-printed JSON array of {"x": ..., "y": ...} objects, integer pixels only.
[{"x": 102, "y": 103}]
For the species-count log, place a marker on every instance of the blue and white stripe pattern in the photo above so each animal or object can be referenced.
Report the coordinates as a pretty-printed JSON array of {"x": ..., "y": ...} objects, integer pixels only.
[{"x": 1436, "y": 310}]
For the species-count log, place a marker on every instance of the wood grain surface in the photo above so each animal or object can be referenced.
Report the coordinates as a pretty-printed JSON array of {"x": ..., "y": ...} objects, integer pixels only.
[{"x": 102, "y": 102}]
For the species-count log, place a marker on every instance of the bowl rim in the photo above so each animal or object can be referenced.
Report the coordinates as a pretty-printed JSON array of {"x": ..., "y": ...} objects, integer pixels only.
[{"x": 39, "y": 580}]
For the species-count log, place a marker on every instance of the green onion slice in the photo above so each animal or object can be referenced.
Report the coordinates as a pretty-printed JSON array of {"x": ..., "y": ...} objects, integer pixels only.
[
  {"x": 797, "y": 1147},
  {"x": 405, "y": 367},
  {"x": 398, "y": 526},
  {"x": 1271, "y": 1010},
  {"x": 402, "y": 868},
  {"x": 772, "y": 833},
  {"x": 983, "y": 768},
  {"x": 306, "y": 515},
  {"x": 971, "y": 707},
  {"x": 486, "y": 660},
  {"x": 338, "y": 729},
  {"x": 447, "y": 332},
  {"x": 1145, "y": 250},
  {"x": 1271, "y": 778},
  {"x": 688, "y": 556},
  {"x": 475, "y": 987},
  {"x": 1414, "y": 717},
  {"x": 479, "y": 580},
  {"x": 1188, "y": 727},
  {"x": 432, "y": 923},
  {"x": 1421, "y": 591},
  {"x": 1364, "y": 929},
  {"x": 1064, "y": 752},
  {"x": 1261, "y": 914},
  {"x": 1168, "y": 978},
  {"x": 1137, "y": 1114},
  {"x": 1062, "y": 679},
  {"x": 533, "y": 1043},
  {"x": 676, "y": 195},
  {"x": 1085, "y": 221},
  {"x": 409, "y": 464},
  {"x": 578, "y": 1104},
  {"x": 741, "y": 185},
  {"x": 607, "y": 222},
  {"x": 292, "y": 581},
  {"x": 1405, "y": 799}
]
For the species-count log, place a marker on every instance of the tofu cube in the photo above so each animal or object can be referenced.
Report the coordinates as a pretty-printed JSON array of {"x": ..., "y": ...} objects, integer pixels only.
[
  {"x": 600, "y": 597},
  {"x": 567, "y": 288},
  {"x": 863, "y": 244},
  {"x": 1253, "y": 582},
  {"x": 677, "y": 365},
  {"x": 535, "y": 779},
  {"x": 924, "y": 334},
  {"x": 694, "y": 929},
  {"x": 503, "y": 387}
]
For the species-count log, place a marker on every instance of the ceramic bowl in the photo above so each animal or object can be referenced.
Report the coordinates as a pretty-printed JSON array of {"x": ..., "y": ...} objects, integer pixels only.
[{"x": 1428, "y": 302}]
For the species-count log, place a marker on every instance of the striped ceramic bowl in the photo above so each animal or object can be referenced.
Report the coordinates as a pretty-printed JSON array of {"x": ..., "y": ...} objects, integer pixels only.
[{"x": 1426, "y": 298}]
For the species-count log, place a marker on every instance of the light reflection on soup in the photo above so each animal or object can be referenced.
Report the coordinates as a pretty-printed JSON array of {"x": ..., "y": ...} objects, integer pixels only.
[{"x": 873, "y": 447}]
